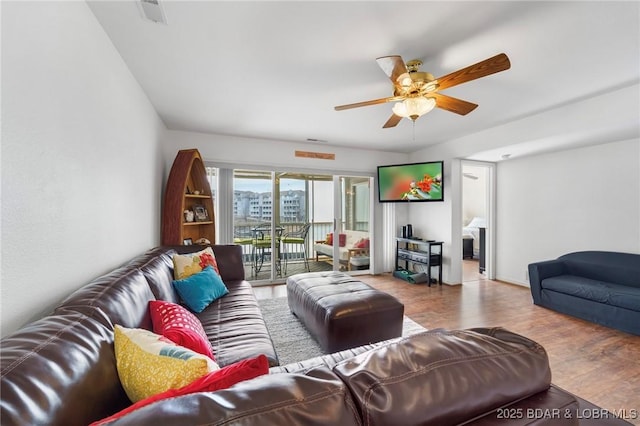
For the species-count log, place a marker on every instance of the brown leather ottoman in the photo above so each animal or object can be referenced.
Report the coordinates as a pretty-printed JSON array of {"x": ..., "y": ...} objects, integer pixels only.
[{"x": 342, "y": 312}]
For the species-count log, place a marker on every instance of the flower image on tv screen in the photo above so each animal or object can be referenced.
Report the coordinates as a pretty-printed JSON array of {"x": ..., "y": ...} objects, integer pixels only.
[{"x": 411, "y": 182}]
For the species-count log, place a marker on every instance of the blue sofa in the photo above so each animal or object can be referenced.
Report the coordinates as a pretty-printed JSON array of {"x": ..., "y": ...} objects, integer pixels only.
[{"x": 598, "y": 286}]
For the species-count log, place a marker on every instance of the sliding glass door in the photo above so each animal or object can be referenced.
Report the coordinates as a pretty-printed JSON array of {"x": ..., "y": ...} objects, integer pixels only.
[
  {"x": 292, "y": 192},
  {"x": 351, "y": 250},
  {"x": 253, "y": 223},
  {"x": 286, "y": 221}
]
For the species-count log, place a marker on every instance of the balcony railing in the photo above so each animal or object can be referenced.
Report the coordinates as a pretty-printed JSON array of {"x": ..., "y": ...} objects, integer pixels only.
[{"x": 244, "y": 234}]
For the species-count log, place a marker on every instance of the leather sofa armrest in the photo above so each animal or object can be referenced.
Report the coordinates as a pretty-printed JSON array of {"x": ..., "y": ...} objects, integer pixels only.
[
  {"x": 418, "y": 379},
  {"x": 539, "y": 271}
]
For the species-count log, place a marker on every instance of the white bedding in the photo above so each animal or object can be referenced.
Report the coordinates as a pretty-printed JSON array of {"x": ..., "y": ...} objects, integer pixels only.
[{"x": 472, "y": 232}]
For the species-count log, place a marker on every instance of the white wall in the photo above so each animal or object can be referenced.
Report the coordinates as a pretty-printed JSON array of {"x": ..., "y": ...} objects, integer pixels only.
[
  {"x": 553, "y": 204},
  {"x": 584, "y": 122},
  {"x": 433, "y": 221},
  {"x": 81, "y": 163},
  {"x": 260, "y": 152}
]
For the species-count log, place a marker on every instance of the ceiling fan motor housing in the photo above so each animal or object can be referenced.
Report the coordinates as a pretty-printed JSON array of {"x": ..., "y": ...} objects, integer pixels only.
[{"x": 414, "y": 82}]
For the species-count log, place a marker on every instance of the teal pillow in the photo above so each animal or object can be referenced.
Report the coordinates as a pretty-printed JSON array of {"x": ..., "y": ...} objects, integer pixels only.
[{"x": 199, "y": 290}]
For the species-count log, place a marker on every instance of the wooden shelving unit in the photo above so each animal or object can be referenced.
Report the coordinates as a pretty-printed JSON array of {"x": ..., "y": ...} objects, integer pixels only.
[{"x": 187, "y": 176}]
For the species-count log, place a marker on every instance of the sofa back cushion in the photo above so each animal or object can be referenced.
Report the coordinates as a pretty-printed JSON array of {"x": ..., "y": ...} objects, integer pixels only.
[
  {"x": 613, "y": 267},
  {"x": 157, "y": 268},
  {"x": 230, "y": 262},
  {"x": 316, "y": 398},
  {"x": 60, "y": 370},
  {"x": 123, "y": 295},
  {"x": 444, "y": 377}
]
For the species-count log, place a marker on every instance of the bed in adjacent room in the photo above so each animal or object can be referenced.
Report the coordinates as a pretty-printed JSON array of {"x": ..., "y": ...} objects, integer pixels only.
[{"x": 472, "y": 231}]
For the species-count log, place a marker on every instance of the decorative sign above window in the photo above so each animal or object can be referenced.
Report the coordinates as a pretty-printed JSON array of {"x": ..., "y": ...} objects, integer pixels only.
[{"x": 320, "y": 155}]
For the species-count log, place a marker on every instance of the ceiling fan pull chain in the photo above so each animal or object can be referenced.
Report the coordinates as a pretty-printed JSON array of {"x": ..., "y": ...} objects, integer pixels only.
[{"x": 414, "y": 130}]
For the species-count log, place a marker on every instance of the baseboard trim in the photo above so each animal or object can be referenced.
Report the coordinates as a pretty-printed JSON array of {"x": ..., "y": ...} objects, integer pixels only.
[{"x": 515, "y": 283}]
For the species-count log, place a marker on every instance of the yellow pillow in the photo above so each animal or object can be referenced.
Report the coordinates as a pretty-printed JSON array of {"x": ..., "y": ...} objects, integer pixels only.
[
  {"x": 149, "y": 363},
  {"x": 185, "y": 265}
]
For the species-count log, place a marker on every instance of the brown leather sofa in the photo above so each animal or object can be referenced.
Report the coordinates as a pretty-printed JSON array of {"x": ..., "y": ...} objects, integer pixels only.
[{"x": 61, "y": 369}]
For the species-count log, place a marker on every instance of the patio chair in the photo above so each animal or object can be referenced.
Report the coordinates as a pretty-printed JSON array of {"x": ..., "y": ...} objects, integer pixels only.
[
  {"x": 261, "y": 247},
  {"x": 298, "y": 238}
]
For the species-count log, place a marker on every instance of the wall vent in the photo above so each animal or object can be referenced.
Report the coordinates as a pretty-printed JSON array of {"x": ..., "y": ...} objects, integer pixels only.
[{"x": 152, "y": 10}]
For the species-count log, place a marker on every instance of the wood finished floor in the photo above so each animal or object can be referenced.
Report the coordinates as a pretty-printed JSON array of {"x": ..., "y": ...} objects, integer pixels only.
[{"x": 597, "y": 363}]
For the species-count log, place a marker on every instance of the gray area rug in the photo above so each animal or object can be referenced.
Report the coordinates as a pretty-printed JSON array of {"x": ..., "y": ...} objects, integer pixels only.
[{"x": 292, "y": 341}]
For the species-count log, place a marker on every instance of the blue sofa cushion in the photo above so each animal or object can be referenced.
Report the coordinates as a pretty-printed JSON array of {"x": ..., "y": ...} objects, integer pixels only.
[
  {"x": 599, "y": 291},
  {"x": 618, "y": 268}
]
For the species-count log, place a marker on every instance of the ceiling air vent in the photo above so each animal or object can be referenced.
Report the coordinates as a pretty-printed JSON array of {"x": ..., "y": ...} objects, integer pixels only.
[{"x": 152, "y": 10}]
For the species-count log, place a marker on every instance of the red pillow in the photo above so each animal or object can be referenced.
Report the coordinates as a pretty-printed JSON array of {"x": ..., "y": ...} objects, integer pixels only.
[
  {"x": 180, "y": 326},
  {"x": 216, "y": 380},
  {"x": 342, "y": 239},
  {"x": 362, "y": 243}
]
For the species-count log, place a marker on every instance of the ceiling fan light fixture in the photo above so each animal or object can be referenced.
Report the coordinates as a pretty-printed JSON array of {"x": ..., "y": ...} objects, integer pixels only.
[
  {"x": 414, "y": 107},
  {"x": 405, "y": 80}
]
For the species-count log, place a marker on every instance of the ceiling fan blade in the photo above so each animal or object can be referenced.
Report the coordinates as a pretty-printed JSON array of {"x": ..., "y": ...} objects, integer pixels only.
[
  {"x": 452, "y": 104},
  {"x": 367, "y": 103},
  {"x": 481, "y": 69},
  {"x": 392, "y": 121},
  {"x": 393, "y": 67}
]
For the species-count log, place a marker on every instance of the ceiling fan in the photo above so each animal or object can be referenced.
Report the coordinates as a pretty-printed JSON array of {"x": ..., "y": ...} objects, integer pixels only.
[
  {"x": 417, "y": 93},
  {"x": 470, "y": 176}
]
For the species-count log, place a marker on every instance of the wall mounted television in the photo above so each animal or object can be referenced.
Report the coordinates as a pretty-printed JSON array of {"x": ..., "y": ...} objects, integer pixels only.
[{"x": 414, "y": 182}]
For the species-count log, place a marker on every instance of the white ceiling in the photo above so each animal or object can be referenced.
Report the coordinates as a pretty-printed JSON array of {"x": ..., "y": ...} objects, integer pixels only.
[{"x": 275, "y": 70}]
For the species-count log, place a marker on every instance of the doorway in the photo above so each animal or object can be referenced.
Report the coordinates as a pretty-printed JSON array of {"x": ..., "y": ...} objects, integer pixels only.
[{"x": 477, "y": 181}]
